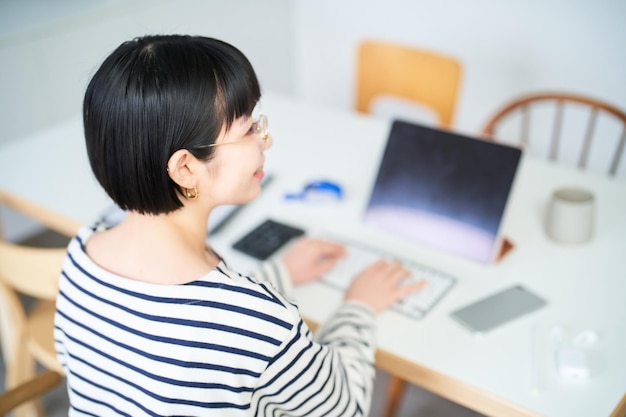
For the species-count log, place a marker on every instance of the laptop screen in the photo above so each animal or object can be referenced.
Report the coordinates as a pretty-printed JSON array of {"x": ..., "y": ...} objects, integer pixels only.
[{"x": 443, "y": 189}]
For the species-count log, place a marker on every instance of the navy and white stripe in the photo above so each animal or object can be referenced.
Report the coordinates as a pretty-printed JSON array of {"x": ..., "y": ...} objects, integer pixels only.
[{"x": 224, "y": 345}]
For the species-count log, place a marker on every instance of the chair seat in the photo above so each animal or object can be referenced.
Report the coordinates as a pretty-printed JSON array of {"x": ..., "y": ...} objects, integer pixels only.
[{"x": 40, "y": 334}]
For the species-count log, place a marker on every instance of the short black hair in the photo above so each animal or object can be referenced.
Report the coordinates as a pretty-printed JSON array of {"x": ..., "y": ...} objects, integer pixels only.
[{"x": 155, "y": 95}]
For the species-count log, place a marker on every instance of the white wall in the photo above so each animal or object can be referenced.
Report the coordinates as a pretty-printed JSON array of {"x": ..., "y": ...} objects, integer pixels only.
[
  {"x": 506, "y": 47},
  {"x": 49, "y": 49}
]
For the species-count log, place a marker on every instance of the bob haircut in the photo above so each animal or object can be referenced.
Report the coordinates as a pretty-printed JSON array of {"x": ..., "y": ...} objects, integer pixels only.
[{"x": 153, "y": 96}]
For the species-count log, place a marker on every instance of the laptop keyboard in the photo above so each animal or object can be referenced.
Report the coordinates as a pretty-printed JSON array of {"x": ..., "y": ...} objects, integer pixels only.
[{"x": 415, "y": 305}]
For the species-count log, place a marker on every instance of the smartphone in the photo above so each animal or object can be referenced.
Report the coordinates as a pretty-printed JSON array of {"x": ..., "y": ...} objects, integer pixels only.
[{"x": 497, "y": 309}]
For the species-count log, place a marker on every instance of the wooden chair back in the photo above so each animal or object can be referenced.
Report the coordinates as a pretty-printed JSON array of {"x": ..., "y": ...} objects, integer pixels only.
[
  {"x": 31, "y": 271},
  {"x": 420, "y": 76},
  {"x": 596, "y": 121},
  {"x": 27, "y": 336}
]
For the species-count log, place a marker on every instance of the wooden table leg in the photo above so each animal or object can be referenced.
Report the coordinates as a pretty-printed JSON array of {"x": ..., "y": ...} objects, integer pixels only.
[{"x": 395, "y": 390}]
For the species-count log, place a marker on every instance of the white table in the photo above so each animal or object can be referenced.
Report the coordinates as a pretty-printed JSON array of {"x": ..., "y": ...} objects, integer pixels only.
[{"x": 585, "y": 285}]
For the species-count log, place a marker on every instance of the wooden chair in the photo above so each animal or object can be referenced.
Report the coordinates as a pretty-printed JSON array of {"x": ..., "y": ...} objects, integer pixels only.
[
  {"x": 539, "y": 122},
  {"x": 27, "y": 336},
  {"x": 419, "y": 76},
  {"x": 28, "y": 391}
]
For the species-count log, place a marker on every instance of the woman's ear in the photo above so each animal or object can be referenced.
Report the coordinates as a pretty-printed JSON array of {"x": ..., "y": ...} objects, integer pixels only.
[{"x": 182, "y": 168}]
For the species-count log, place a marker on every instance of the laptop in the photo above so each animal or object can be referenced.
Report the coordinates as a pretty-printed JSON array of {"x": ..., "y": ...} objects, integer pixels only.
[{"x": 444, "y": 190}]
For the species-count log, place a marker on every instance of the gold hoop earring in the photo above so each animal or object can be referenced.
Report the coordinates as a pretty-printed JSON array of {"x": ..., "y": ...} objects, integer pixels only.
[{"x": 191, "y": 196}]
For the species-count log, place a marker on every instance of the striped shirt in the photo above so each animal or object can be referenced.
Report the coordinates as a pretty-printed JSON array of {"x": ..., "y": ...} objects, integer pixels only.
[{"x": 223, "y": 345}]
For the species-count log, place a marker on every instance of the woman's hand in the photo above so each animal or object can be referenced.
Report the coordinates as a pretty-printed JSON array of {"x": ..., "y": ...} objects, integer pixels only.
[
  {"x": 308, "y": 259},
  {"x": 379, "y": 285}
]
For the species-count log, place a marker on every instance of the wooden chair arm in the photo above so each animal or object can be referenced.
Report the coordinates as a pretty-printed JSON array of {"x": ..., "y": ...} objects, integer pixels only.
[{"x": 28, "y": 391}]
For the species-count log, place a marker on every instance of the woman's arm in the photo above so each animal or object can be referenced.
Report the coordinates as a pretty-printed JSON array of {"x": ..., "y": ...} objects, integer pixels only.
[{"x": 330, "y": 376}]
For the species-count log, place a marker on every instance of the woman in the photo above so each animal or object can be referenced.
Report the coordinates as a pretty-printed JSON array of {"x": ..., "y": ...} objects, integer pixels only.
[{"x": 150, "y": 320}]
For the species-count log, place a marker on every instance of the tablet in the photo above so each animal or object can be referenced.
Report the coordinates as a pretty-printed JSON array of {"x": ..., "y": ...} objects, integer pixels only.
[
  {"x": 497, "y": 309},
  {"x": 444, "y": 190}
]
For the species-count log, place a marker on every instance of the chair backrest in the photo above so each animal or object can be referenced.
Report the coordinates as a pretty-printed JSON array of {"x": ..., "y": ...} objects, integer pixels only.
[
  {"x": 420, "y": 76},
  {"x": 552, "y": 118},
  {"x": 30, "y": 271},
  {"x": 33, "y": 271}
]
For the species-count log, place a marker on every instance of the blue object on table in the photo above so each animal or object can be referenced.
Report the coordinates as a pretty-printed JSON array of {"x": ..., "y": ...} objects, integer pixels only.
[{"x": 316, "y": 189}]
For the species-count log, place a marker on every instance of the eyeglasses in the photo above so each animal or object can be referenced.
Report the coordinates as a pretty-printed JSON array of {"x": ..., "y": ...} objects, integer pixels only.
[{"x": 258, "y": 128}]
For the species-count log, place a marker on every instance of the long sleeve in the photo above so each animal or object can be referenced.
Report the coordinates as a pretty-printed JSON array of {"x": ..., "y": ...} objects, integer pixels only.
[
  {"x": 332, "y": 376},
  {"x": 341, "y": 353}
]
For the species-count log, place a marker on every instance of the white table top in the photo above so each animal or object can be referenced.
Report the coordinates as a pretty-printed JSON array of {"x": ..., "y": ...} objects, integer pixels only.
[{"x": 584, "y": 284}]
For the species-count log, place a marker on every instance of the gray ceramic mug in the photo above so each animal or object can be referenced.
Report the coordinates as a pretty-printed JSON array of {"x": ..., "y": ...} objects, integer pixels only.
[{"x": 570, "y": 216}]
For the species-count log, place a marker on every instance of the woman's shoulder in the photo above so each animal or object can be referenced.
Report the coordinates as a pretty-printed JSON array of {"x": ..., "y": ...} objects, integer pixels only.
[
  {"x": 264, "y": 293},
  {"x": 222, "y": 289}
]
